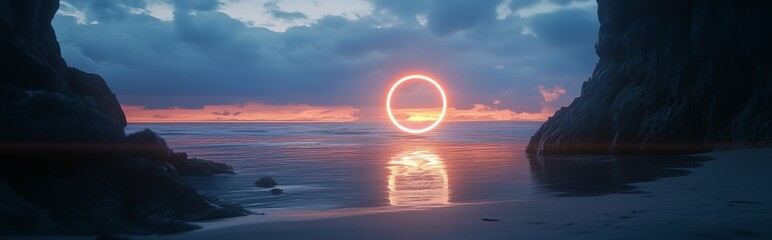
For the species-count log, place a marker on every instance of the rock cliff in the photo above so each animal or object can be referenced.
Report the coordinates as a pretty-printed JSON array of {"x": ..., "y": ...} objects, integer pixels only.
[
  {"x": 33, "y": 67},
  {"x": 68, "y": 167},
  {"x": 673, "y": 77}
]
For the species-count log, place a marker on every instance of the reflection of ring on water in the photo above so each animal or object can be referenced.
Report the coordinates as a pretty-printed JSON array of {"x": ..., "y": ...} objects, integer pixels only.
[{"x": 417, "y": 178}]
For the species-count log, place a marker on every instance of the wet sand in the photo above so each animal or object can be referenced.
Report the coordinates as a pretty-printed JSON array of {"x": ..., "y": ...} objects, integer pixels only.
[{"x": 728, "y": 197}]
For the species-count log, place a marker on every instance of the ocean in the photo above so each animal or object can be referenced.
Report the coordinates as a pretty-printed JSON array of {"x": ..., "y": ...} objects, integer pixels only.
[{"x": 323, "y": 166}]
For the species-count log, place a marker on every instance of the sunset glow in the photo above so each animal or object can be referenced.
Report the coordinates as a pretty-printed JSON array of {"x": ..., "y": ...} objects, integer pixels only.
[
  {"x": 248, "y": 112},
  {"x": 477, "y": 112},
  {"x": 256, "y": 112},
  {"x": 438, "y": 119}
]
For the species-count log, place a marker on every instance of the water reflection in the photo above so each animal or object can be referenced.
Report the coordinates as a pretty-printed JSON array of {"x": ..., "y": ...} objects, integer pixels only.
[
  {"x": 598, "y": 175},
  {"x": 417, "y": 178}
]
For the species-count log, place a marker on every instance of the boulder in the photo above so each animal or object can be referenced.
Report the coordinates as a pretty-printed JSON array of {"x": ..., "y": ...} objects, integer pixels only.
[
  {"x": 147, "y": 144},
  {"x": 94, "y": 88},
  {"x": 266, "y": 182},
  {"x": 198, "y": 167},
  {"x": 138, "y": 196},
  {"x": 19, "y": 216}
]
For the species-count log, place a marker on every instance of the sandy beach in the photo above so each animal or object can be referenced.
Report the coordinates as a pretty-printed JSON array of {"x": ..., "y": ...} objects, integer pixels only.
[{"x": 727, "y": 198}]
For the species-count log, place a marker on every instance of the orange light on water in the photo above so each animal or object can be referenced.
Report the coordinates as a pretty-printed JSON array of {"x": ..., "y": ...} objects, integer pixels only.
[
  {"x": 416, "y": 77},
  {"x": 418, "y": 178}
]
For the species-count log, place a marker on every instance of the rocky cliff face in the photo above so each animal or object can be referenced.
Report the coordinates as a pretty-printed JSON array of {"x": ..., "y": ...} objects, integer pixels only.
[
  {"x": 673, "y": 77},
  {"x": 68, "y": 167},
  {"x": 31, "y": 62}
]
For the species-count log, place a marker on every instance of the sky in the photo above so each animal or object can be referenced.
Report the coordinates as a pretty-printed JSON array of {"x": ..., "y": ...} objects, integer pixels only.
[{"x": 334, "y": 60}]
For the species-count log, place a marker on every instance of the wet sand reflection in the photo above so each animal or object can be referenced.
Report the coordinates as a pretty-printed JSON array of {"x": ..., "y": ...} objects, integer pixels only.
[{"x": 417, "y": 178}]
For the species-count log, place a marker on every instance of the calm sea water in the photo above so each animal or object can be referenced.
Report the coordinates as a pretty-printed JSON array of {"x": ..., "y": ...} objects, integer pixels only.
[{"x": 354, "y": 165}]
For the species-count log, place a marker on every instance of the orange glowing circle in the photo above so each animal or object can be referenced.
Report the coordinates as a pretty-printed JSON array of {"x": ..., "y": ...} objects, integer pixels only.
[{"x": 419, "y": 77}]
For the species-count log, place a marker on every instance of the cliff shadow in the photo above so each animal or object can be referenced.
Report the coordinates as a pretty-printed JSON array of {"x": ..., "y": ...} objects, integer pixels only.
[{"x": 570, "y": 176}]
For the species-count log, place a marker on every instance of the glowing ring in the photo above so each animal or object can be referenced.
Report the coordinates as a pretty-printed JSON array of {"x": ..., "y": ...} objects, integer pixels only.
[{"x": 436, "y": 122}]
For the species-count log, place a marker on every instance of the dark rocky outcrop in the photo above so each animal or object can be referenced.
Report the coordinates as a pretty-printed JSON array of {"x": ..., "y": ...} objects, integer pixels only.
[
  {"x": 31, "y": 58},
  {"x": 129, "y": 196},
  {"x": 68, "y": 167},
  {"x": 198, "y": 167},
  {"x": 94, "y": 88},
  {"x": 28, "y": 46},
  {"x": 20, "y": 216},
  {"x": 673, "y": 77},
  {"x": 44, "y": 116},
  {"x": 266, "y": 182},
  {"x": 126, "y": 186}
]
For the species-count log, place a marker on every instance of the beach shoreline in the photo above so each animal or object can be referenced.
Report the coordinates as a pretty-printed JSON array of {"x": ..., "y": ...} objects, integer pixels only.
[{"x": 725, "y": 198}]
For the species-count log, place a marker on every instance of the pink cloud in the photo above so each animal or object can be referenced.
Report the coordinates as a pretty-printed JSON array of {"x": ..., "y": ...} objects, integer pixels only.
[
  {"x": 248, "y": 112},
  {"x": 478, "y": 112},
  {"x": 551, "y": 95},
  {"x": 481, "y": 112}
]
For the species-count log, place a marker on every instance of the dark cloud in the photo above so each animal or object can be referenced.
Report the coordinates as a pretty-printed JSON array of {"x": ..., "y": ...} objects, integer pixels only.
[
  {"x": 223, "y": 113},
  {"x": 561, "y": 2},
  {"x": 206, "y": 28},
  {"x": 450, "y": 16},
  {"x": 204, "y": 56},
  {"x": 106, "y": 11},
  {"x": 444, "y": 16},
  {"x": 403, "y": 8},
  {"x": 518, "y": 4},
  {"x": 276, "y": 12},
  {"x": 566, "y": 2},
  {"x": 565, "y": 28},
  {"x": 198, "y": 5}
]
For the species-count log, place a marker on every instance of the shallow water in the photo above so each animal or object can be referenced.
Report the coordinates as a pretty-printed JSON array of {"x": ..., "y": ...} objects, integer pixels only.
[{"x": 353, "y": 165}]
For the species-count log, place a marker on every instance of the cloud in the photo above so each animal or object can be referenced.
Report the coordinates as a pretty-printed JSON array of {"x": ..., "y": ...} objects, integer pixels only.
[
  {"x": 249, "y": 112},
  {"x": 554, "y": 27},
  {"x": 210, "y": 53},
  {"x": 279, "y": 15},
  {"x": 478, "y": 112},
  {"x": 198, "y": 5},
  {"x": 449, "y": 16},
  {"x": 566, "y": 2},
  {"x": 223, "y": 113},
  {"x": 276, "y": 12},
  {"x": 551, "y": 95},
  {"x": 67, "y": 9},
  {"x": 518, "y": 4}
]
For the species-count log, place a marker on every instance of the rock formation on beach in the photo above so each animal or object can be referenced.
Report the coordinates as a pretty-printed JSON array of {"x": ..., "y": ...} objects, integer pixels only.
[
  {"x": 673, "y": 77},
  {"x": 266, "y": 182},
  {"x": 68, "y": 166},
  {"x": 187, "y": 166}
]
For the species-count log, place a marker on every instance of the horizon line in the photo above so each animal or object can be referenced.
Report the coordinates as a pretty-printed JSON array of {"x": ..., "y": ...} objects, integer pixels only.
[{"x": 311, "y": 121}]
